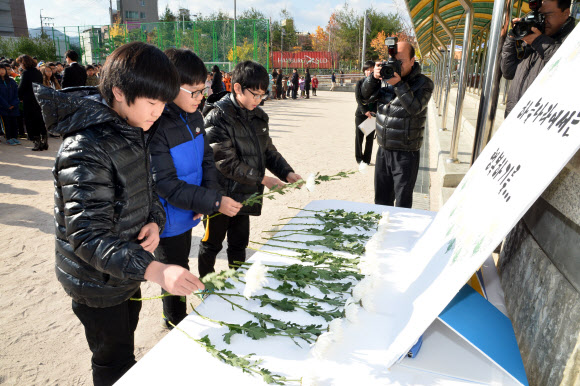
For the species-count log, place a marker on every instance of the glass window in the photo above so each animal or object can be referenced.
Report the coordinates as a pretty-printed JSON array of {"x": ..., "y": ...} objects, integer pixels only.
[
  {"x": 143, "y": 15},
  {"x": 142, "y": 3}
]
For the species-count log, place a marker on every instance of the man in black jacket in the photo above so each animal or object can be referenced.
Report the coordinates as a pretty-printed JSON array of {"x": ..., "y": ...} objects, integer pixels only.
[
  {"x": 363, "y": 112},
  {"x": 295, "y": 83},
  {"x": 538, "y": 48},
  {"x": 74, "y": 75},
  {"x": 401, "y": 115},
  {"x": 279, "y": 86},
  {"x": 107, "y": 214}
]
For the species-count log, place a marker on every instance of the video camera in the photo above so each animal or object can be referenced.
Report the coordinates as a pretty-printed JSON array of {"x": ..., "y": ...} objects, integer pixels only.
[
  {"x": 523, "y": 27},
  {"x": 388, "y": 68}
]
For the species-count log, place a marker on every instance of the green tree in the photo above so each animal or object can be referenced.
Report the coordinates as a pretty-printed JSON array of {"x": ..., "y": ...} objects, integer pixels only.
[
  {"x": 167, "y": 15},
  {"x": 43, "y": 49}
]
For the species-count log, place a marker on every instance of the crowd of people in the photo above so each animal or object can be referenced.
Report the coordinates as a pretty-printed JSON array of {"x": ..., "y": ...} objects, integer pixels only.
[
  {"x": 20, "y": 115},
  {"x": 280, "y": 86}
]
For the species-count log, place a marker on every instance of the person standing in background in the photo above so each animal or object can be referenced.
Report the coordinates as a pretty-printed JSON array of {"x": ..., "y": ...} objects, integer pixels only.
[
  {"x": 9, "y": 102},
  {"x": 314, "y": 84},
  {"x": 333, "y": 81},
  {"x": 363, "y": 112},
  {"x": 216, "y": 82},
  {"x": 295, "y": 83},
  {"x": 32, "y": 113},
  {"x": 74, "y": 75}
]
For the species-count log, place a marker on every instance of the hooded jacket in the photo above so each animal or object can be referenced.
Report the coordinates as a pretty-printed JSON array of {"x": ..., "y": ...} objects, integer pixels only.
[
  {"x": 9, "y": 97},
  {"x": 104, "y": 195},
  {"x": 183, "y": 169},
  {"x": 524, "y": 71},
  {"x": 242, "y": 149},
  {"x": 401, "y": 109}
]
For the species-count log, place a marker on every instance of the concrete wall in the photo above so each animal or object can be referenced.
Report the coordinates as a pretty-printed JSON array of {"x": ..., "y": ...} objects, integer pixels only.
[{"x": 540, "y": 273}]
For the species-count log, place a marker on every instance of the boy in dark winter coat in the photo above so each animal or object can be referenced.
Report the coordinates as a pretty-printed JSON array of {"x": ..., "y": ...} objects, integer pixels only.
[
  {"x": 107, "y": 214},
  {"x": 237, "y": 130},
  {"x": 184, "y": 172}
]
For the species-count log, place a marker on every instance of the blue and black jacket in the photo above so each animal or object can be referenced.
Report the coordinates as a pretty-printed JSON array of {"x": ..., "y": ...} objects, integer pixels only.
[{"x": 183, "y": 169}]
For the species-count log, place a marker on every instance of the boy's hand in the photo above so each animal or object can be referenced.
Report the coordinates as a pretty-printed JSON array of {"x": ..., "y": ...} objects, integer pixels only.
[
  {"x": 173, "y": 278},
  {"x": 151, "y": 234},
  {"x": 293, "y": 177},
  {"x": 197, "y": 216},
  {"x": 270, "y": 182},
  {"x": 229, "y": 207}
]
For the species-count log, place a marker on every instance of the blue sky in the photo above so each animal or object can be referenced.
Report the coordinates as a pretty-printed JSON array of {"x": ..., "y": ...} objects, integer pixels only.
[{"x": 307, "y": 13}]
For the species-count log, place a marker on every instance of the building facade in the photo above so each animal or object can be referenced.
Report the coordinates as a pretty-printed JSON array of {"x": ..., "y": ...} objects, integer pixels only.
[
  {"x": 137, "y": 11},
  {"x": 13, "y": 18}
]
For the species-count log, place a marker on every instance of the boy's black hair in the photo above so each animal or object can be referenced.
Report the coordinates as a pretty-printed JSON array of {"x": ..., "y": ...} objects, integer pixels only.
[
  {"x": 89, "y": 67},
  {"x": 72, "y": 55},
  {"x": 190, "y": 67},
  {"x": 139, "y": 70},
  {"x": 252, "y": 75},
  {"x": 368, "y": 65}
]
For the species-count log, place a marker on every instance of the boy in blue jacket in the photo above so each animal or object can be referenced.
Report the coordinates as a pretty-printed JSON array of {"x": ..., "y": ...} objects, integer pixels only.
[{"x": 184, "y": 172}]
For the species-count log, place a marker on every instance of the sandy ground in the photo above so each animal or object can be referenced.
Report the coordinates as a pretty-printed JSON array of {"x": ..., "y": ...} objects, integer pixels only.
[{"x": 42, "y": 341}]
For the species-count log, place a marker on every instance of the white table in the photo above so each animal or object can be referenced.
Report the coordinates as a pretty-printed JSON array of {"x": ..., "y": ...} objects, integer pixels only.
[{"x": 357, "y": 360}]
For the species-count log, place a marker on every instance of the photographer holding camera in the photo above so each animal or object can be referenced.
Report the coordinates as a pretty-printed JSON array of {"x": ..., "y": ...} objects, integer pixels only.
[
  {"x": 542, "y": 32},
  {"x": 401, "y": 93}
]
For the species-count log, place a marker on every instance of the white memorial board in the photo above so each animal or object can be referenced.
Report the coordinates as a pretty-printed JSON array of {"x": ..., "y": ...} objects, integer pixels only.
[{"x": 532, "y": 146}]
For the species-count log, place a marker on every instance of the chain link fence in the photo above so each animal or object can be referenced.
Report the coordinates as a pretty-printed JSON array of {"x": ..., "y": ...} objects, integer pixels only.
[{"x": 211, "y": 40}]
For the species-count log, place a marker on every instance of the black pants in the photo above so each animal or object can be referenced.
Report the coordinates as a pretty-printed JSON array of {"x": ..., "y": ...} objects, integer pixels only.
[
  {"x": 294, "y": 92},
  {"x": 174, "y": 250},
  {"x": 10, "y": 126},
  {"x": 110, "y": 332},
  {"x": 288, "y": 90},
  {"x": 358, "y": 142},
  {"x": 314, "y": 92},
  {"x": 395, "y": 177},
  {"x": 34, "y": 122},
  {"x": 237, "y": 229},
  {"x": 307, "y": 92},
  {"x": 279, "y": 92}
]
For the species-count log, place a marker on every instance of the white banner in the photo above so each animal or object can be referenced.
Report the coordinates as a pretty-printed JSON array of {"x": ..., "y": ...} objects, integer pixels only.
[{"x": 532, "y": 146}]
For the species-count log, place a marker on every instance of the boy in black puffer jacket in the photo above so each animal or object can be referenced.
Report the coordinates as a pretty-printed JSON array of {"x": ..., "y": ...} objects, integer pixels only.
[
  {"x": 107, "y": 214},
  {"x": 237, "y": 130}
]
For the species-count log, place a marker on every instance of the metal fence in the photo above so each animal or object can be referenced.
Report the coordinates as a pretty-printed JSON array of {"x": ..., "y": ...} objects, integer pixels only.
[{"x": 212, "y": 40}]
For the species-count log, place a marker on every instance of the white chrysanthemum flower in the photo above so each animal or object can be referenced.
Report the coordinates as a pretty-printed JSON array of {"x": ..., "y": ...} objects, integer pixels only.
[
  {"x": 335, "y": 327},
  {"x": 322, "y": 345},
  {"x": 369, "y": 265},
  {"x": 351, "y": 311},
  {"x": 309, "y": 380},
  {"x": 383, "y": 225},
  {"x": 255, "y": 279},
  {"x": 368, "y": 301},
  {"x": 360, "y": 290},
  {"x": 362, "y": 167},
  {"x": 310, "y": 182}
]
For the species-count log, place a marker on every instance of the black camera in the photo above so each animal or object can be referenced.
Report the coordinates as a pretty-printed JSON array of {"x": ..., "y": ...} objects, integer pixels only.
[
  {"x": 523, "y": 27},
  {"x": 393, "y": 65}
]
